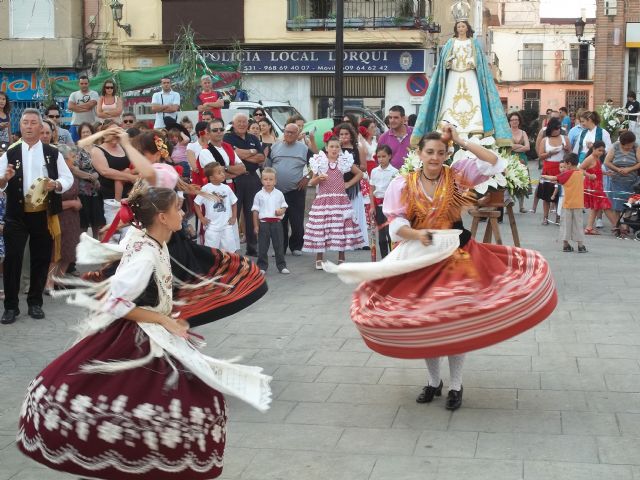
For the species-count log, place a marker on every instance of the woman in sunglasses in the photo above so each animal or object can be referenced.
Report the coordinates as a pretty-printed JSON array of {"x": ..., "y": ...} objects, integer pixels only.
[
  {"x": 109, "y": 105},
  {"x": 258, "y": 115}
]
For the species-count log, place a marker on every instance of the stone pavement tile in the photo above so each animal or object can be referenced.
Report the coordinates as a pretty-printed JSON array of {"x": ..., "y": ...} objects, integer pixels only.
[
  {"x": 596, "y": 316},
  {"x": 608, "y": 365},
  {"x": 554, "y": 363},
  {"x": 281, "y": 357},
  {"x": 433, "y": 443},
  {"x": 498, "y": 379},
  {"x": 609, "y": 338},
  {"x": 614, "y": 402},
  {"x": 636, "y": 473},
  {"x": 317, "y": 330},
  {"x": 7, "y": 441},
  {"x": 315, "y": 343},
  {"x": 404, "y": 376},
  {"x": 623, "y": 382},
  {"x": 431, "y": 416},
  {"x": 618, "y": 351},
  {"x": 589, "y": 423},
  {"x": 478, "y": 469},
  {"x": 530, "y": 446},
  {"x": 474, "y": 361},
  {"x": 511, "y": 348},
  {"x": 619, "y": 450},
  {"x": 563, "y": 335},
  {"x": 551, "y": 400},
  {"x": 307, "y": 392},
  {"x": 629, "y": 424},
  {"x": 500, "y": 398},
  {"x": 538, "y": 470},
  {"x": 366, "y": 375},
  {"x": 255, "y": 341},
  {"x": 297, "y": 373},
  {"x": 551, "y": 349},
  {"x": 405, "y": 468},
  {"x": 336, "y": 359},
  {"x": 290, "y": 437},
  {"x": 285, "y": 465},
  {"x": 241, "y": 412},
  {"x": 587, "y": 382},
  {"x": 355, "y": 345},
  {"x": 343, "y": 415},
  {"x": 375, "y": 394},
  {"x": 39, "y": 474},
  {"x": 378, "y": 360},
  {"x": 235, "y": 461},
  {"x": 12, "y": 461},
  {"x": 378, "y": 441},
  {"x": 348, "y": 331},
  {"x": 262, "y": 328},
  {"x": 507, "y": 421}
]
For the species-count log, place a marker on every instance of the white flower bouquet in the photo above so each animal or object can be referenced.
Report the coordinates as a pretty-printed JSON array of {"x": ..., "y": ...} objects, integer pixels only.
[
  {"x": 516, "y": 175},
  {"x": 613, "y": 120},
  {"x": 412, "y": 162}
]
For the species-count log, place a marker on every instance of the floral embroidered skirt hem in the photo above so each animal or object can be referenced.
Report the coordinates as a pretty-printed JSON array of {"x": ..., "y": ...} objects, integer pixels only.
[
  {"x": 125, "y": 425},
  {"x": 480, "y": 296}
]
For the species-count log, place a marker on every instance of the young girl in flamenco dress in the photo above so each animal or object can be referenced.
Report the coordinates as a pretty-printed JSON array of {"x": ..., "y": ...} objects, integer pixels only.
[
  {"x": 332, "y": 225},
  {"x": 440, "y": 293},
  {"x": 594, "y": 197},
  {"x": 134, "y": 398}
]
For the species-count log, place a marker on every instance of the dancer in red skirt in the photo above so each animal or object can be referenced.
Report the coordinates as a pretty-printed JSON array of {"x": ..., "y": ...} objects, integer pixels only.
[
  {"x": 439, "y": 292},
  {"x": 134, "y": 398},
  {"x": 594, "y": 197}
]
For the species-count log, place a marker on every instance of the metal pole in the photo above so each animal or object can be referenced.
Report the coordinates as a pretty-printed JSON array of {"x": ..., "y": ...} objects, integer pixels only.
[{"x": 338, "y": 105}]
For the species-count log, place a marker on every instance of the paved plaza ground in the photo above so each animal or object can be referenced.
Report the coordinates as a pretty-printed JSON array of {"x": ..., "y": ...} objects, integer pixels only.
[{"x": 561, "y": 401}]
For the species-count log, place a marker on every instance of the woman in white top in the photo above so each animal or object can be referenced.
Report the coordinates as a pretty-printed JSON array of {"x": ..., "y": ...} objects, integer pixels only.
[
  {"x": 109, "y": 105},
  {"x": 551, "y": 151},
  {"x": 590, "y": 134}
]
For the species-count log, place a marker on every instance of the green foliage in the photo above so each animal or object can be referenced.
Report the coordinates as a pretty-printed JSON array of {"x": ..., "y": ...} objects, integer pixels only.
[
  {"x": 45, "y": 87},
  {"x": 191, "y": 63}
]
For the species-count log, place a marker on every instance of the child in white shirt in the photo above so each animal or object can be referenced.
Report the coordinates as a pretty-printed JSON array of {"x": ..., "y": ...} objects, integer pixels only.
[
  {"x": 381, "y": 177},
  {"x": 219, "y": 218},
  {"x": 269, "y": 206}
]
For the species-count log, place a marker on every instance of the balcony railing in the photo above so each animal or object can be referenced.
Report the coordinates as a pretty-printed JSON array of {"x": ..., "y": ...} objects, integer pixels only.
[
  {"x": 321, "y": 14},
  {"x": 556, "y": 65}
]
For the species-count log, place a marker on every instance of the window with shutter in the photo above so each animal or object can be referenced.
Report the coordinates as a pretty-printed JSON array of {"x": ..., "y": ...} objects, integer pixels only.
[{"x": 32, "y": 18}]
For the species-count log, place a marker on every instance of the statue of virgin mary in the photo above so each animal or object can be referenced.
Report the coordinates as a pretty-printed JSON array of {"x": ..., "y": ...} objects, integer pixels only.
[{"x": 462, "y": 91}]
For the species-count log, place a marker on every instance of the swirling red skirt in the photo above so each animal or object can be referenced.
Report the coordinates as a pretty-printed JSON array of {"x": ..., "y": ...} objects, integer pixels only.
[{"x": 482, "y": 295}]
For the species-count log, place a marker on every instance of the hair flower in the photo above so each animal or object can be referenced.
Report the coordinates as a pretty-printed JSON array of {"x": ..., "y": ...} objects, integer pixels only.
[{"x": 161, "y": 146}]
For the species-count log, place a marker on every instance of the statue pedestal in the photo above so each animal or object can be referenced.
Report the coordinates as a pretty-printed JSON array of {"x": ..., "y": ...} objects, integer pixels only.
[{"x": 488, "y": 210}]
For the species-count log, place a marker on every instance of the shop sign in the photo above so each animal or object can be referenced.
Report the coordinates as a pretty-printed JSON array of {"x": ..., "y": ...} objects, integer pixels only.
[
  {"x": 322, "y": 61},
  {"x": 24, "y": 85},
  {"x": 633, "y": 35}
]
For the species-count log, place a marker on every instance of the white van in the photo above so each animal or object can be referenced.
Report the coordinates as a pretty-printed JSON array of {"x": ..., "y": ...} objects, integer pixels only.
[{"x": 277, "y": 112}]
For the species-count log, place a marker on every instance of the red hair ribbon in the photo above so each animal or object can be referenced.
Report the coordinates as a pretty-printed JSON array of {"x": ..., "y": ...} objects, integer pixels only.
[
  {"x": 179, "y": 169},
  {"x": 124, "y": 215},
  {"x": 363, "y": 131},
  {"x": 202, "y": 133},
  {"x": 328, "y": 135}
]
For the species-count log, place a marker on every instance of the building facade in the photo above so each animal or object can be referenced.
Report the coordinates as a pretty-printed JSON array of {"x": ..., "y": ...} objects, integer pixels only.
[
  {"x": 617, "y": 70},
  {"x": 541, "y": 63}
]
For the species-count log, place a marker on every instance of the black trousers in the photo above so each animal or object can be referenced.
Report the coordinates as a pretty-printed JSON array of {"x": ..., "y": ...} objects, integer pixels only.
[
  {"x": 246, "y": 188},
  {"x": 384, "y": 239},
  {"x": 294, "y": 217},
  {"x": 33, "y": 226},
  {"x": 270, "y": 232}
]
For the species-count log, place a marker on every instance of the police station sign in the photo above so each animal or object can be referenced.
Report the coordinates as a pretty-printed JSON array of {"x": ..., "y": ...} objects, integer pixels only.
[{"x": 322, "y": 61}]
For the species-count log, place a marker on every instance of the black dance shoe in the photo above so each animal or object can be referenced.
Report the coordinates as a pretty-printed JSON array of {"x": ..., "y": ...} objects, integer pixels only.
[
  {"x": 454, "y": 399},
  {"x": 428, "y": 393},
  {"x": 9, "y": 316},
  {"x": 35, "y": 311}
]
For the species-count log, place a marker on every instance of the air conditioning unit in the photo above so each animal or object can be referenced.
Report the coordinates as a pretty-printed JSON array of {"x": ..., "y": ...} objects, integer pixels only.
[{"x": 611, "y": 8}]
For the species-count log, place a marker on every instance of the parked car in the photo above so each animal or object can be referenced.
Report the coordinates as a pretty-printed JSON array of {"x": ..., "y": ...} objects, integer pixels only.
[{"x": 277, "y": 112}]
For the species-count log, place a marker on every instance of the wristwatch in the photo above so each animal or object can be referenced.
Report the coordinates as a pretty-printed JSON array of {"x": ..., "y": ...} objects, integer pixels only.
[{"x": 253, "y": 151}]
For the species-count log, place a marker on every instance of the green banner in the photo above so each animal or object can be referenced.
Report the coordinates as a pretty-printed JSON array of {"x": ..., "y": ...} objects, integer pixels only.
[{"x": 128, "y": 80}]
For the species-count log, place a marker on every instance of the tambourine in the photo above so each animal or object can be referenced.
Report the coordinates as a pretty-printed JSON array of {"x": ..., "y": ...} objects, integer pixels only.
[{"x": 37, "y": 193}]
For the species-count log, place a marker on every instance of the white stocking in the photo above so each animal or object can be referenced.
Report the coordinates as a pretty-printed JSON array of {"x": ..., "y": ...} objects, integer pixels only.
[
  {"x": 455, "y": 371},
  {"x": 433, "y": 365}
]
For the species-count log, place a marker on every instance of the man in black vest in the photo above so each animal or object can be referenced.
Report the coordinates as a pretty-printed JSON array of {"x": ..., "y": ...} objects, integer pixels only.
[{"x": 19, "y": 168}]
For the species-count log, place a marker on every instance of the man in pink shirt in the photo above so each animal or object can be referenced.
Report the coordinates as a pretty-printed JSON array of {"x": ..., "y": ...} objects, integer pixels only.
[{"x": 398, "y": 136}]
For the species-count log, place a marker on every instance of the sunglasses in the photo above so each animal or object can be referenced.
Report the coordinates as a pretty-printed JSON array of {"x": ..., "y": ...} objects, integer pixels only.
[
  {"x": 53, "y": 116},
  {"x": 212, "y": 130},
  {"x": 109, "y": 88},
  {"x": 127, "y": 121},
  {"x": 258, "y": 114}
]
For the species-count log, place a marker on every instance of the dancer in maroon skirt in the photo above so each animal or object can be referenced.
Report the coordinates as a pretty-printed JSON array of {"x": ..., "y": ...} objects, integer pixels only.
[
  {"x": 134, "y": 398},
  {"x": 439, "y": 292}
]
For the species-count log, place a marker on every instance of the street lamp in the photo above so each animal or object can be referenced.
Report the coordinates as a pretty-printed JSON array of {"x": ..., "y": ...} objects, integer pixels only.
[
  {"x": 580, "y": 23},
  {"x": 116, "y": 12}
]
